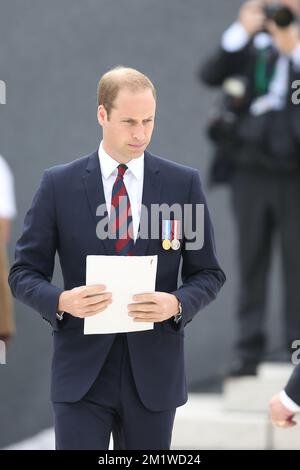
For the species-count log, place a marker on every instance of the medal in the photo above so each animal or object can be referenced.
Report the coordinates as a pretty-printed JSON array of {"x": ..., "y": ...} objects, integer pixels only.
[
  {"x": 175, "y": 244},
  {"x": 166, "y": 244},
  {"x": 166, "y": 234}
]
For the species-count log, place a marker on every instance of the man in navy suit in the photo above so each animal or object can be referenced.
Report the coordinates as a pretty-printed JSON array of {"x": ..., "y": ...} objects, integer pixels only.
[{"x": 126, "y": 384}]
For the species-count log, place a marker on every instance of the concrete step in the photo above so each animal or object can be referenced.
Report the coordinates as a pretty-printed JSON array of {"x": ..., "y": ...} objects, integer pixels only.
[
  {"x": 44, "y": 440},
  {"x": 253, "y": 393},
  {"x": 204, "y": 423}
]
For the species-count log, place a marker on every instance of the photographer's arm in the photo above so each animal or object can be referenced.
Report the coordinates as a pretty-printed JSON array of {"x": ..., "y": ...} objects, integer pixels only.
[{"x": 232, "y": 56}]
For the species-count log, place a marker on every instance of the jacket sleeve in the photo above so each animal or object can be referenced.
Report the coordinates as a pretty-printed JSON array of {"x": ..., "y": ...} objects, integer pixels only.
[
  {"x": 292, "y": 388},
  {"x": 31, "y": 273},
  {"x": 202, "y": 277},
  {"x": 223, "y": 64}
]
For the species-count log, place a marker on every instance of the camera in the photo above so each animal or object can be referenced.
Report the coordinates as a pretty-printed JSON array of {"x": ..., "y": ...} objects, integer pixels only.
[
  {"x": 224, "y": 117},
  {"x": 280, "y": 14}
]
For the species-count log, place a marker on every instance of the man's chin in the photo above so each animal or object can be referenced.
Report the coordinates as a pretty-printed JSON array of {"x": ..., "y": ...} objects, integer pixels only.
[{"x": 136, "y": 150}]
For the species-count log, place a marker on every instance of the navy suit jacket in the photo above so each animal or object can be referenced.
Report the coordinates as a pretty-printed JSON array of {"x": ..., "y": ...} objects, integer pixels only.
[
  {"x": 292, "y": 387},
  {"x": 63, "y": 219}
]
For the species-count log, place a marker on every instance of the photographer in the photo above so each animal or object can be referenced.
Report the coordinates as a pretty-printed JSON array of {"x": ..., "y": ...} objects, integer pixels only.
[{"x": 256, "y": 132}]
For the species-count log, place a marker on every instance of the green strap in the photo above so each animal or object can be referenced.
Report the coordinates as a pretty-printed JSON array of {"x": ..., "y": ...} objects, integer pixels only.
[{"x": 262, "y": 80}]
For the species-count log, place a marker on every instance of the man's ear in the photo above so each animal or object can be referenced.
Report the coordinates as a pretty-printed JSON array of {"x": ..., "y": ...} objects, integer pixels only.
[{"x": 101, "y": 114}]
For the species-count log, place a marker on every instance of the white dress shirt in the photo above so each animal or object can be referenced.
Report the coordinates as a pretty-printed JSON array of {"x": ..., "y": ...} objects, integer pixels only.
[
  {"x": 7, "y": 194},
  {"x": 133, "y": 180}
]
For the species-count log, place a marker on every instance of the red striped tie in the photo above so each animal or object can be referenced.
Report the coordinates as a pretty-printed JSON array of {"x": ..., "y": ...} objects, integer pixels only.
[{"x": 120, "y": 216}]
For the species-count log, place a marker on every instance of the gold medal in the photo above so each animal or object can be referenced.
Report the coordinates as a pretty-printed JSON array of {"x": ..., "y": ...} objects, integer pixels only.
[
  {"x": 175, "y": 244},
  {"x": 166, "y": 244}
]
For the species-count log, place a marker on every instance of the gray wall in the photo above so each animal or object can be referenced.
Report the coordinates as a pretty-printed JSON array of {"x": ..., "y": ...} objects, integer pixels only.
[{"x": 52, "y": 55}]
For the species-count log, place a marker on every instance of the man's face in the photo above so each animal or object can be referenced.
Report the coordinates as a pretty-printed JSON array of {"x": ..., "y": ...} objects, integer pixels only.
[{"x": 128, "y": 130}]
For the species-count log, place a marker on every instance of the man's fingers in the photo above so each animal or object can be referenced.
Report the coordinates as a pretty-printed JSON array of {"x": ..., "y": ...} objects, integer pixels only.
[
  {"x": 100, "y": 307},
  {"x": 147, "y": 320},
  {"x": 150, "y": 297},
  {"x": 151, "y": 316},
  {"x": 142, "y": 307},
  {"x": 93, "y": 290},
  {"x": 285, "y": 423},
  {"x": 95, "y": 299}
]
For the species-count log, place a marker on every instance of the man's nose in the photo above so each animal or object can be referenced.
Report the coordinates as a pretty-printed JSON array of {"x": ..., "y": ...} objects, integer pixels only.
[{"x": 139, "y": 132}]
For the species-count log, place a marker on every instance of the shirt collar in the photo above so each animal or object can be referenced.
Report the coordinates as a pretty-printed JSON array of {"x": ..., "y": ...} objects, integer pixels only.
[{"x": 108, "y": 165}]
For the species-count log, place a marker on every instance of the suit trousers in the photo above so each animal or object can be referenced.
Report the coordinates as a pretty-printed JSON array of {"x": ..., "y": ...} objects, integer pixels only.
[
  {"x": 112, "y": 405},
  {"x": 266, "y": 206}
]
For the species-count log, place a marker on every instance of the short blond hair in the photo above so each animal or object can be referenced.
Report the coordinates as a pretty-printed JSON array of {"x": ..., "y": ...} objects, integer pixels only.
[{"x": 117, "y": 78}]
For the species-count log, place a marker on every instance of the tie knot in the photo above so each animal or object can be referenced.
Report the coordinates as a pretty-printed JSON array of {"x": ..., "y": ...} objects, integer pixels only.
[{"x": 121, "y": 170}]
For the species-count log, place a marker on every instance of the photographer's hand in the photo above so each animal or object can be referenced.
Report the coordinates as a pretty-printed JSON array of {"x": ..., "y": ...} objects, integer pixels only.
[{"x": 251, "y": 16}]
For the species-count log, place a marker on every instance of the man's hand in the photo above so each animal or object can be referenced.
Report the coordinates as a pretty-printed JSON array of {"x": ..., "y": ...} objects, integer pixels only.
[
  {"x": 285, "y": 39},
  {"x": 279, "y": 414},
  {"x": 84, "y": 301},
  {"x": 252, "y": 17},
  {"x": 154, "y": 307}
]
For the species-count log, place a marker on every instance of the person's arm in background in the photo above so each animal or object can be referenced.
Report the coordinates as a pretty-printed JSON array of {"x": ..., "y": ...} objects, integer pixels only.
[
  {"x": 7, "y": 212},
  {"x": 5, "y": 229},
  {"x": 231, "y": 58},
  {"x": 7, "y": 326}
]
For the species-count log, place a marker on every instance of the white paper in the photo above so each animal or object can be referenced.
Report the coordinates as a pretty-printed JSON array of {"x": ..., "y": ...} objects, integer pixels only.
[{"x": 123, "y": 276}]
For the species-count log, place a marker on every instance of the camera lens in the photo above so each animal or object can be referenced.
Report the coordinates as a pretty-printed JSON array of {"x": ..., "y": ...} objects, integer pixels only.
[{"x": 281, "y": 15}]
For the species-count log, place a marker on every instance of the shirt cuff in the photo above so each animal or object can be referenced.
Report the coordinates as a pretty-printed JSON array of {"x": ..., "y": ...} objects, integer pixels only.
[
  {"x": 235, "y": 38},
  {"x": 288, "y": 402}
]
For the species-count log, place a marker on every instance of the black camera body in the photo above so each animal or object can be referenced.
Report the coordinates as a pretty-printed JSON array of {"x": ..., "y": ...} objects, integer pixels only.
[
  {"x": 224, "y": 117},
  {"x": 280, "y": 14}
]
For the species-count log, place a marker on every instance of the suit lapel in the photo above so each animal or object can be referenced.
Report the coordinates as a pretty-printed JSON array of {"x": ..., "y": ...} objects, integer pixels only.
[{"x": 92, "y": 180}]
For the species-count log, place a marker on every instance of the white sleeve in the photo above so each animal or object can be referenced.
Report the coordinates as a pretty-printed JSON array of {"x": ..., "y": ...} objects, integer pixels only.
[
  {"x": 288, "y": 402},
  {"x": 7, "y": 192},
  {"x": 295, "y": 55},
  {"x": 235, "y": 38}
]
